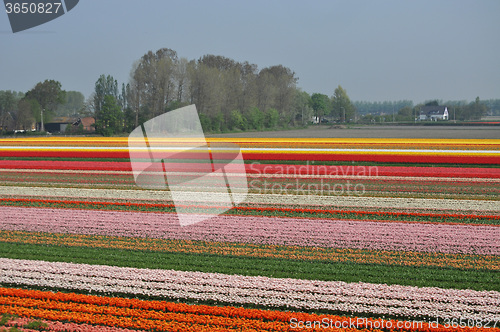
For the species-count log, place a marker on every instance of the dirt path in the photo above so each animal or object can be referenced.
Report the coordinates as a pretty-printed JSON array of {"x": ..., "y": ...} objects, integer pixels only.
[{"x": 444, "y": 132}]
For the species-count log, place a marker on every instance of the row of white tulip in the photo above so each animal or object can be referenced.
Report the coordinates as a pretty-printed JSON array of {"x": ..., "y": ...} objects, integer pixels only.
[
  {"x": 303, "y": 200},
  {"x": 310, "y": 295}
]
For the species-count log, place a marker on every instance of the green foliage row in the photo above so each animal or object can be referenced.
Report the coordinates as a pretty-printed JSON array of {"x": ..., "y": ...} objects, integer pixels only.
[
  {"x": 254, "y": 119},
  {"x": 5, "y": 318},
  {"x": 269, "y": 267},
  {"x": 33, "y": 325}
]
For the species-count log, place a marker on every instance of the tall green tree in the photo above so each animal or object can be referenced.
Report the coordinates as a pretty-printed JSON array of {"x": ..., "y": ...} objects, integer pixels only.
[
  {"x": 256, "y": 118},
  {"x": 104, "y": 86},
  {"x": 237, "y": 121},
  {"x": 49, "y": 95},
  {"x": 320, "y": 105},
  {"x": 272, "y": 118},
  {"x": 343, "y": 109},
  {"x": 110, "y": 117}
]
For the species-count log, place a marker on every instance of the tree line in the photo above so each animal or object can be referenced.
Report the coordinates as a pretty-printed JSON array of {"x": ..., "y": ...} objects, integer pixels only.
[
  {"x": 457, "y": 110},
  {"x": 229, "y": 96},
  {"x": 24, "y": 110},
  {"x": 27, "y": 111}
]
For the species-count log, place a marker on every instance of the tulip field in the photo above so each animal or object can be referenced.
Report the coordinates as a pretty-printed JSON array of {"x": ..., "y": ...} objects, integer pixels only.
[{"x": 332, "y": 235}]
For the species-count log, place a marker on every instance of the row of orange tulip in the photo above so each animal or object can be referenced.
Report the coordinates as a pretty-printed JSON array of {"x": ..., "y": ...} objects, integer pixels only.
[{"x": 161, "y": 316}]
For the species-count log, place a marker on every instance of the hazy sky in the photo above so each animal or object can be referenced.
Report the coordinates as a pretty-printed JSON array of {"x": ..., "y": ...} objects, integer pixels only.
[{"x": 377, "y": 50}]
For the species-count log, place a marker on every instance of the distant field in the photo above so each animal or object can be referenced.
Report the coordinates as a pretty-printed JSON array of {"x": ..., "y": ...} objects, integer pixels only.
[{"x": 466, "y": 132}]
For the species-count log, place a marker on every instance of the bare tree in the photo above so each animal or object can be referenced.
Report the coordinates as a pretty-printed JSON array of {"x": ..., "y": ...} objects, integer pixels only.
[
  {"x": 216, "y": 84},
  {"x": 277, "y": 89},
  {"x": 8, "y": 108},
  {"x": 249, "y": 86},
  {"x": 137, "y": 91},
  {"x": 24, "y": 118},
  {"x": 266, "y": 90},
  {"x": 154, "y": 77},
  {"x": 181, "y": 77}
]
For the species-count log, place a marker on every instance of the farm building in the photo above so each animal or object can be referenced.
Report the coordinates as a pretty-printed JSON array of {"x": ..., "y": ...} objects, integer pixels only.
[
  {"x": 433, "y": 113},
  {"x": 87, "y": 123},
  {"x": 58, "y": 124}
]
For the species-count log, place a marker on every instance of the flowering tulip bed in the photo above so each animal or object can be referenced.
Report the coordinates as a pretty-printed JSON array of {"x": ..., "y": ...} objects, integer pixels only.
[
  {"x": 360, "y": 298},
  {"x": 403, "y": 258},
  {"x": 355, "y": 234},
  {"x": 334, "y": 234}
]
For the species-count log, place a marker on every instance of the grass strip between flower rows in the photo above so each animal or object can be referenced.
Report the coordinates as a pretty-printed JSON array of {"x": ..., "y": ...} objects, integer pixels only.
[
  {"x": 260, "y": 211},
  {"x": 421, "y": 276},
  {"x": 401, "y": 258}
]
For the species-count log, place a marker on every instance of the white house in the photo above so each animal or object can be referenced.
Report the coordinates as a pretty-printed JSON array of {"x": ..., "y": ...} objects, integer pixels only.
[{"x": 433, "y": 113}]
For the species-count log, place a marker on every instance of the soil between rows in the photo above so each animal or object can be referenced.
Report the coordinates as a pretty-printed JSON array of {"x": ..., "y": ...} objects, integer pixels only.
[{"x": 324, "y": 131}]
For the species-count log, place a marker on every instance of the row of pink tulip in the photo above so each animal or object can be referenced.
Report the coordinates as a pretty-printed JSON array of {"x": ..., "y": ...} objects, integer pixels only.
[
  {"x": 56, "y": 326},
  {"x": 375, "y": 235},
  {"x": 355, "y": 298}
]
